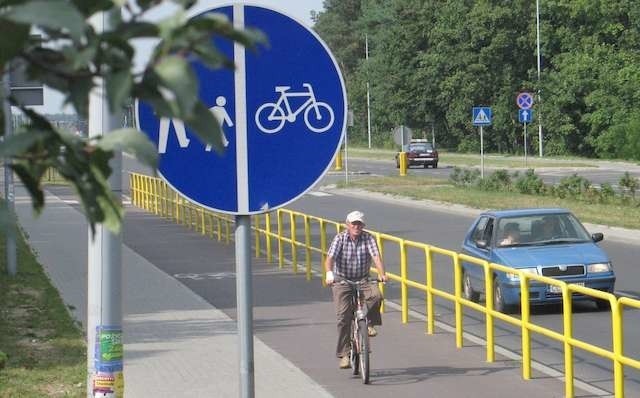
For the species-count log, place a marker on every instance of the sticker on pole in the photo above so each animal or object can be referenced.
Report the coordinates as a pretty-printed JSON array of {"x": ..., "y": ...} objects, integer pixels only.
[{"x": 282, "y": 112}]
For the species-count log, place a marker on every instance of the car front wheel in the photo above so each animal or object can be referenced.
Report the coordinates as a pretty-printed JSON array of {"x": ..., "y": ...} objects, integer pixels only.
[
  {"x": 467, "y": 290},
  {"x": 498, "y": 299}
]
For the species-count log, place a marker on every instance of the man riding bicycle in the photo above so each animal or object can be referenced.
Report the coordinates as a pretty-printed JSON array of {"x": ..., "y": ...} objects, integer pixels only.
[{"x": 349, "y": 257}]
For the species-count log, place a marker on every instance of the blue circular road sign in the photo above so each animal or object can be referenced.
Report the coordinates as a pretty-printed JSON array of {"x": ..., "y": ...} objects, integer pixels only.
[
  {"x": 282, "y": 112},
  {"x": 524, "y": 100}
]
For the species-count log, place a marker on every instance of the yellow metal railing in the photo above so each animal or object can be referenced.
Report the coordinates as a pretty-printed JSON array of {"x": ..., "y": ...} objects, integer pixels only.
[{"x": 305, "y": 236}]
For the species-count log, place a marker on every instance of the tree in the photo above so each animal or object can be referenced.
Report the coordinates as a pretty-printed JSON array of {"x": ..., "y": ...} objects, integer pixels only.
[{"x": 70, "y": 54}]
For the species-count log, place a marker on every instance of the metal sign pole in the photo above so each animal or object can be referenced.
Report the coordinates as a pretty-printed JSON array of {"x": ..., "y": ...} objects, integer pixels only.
[
  {"x": 481, "y": 154},
  {"x": 104, "y": 296},
  {"x": 9, "y": 188},
  {"x": 525, "y": 144},
  {"x": 366, "y": 46},
  {"x": 346, "y": 156},
  {"x": 244, "y": 298},
  {"x": 539, "y": 88}
]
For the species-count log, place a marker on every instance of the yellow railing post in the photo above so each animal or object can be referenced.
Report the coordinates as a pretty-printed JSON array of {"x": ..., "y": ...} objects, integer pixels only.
[
  {"x": 203, "y": 229},
  {"x": 403, "y": 287},
  {"x": 526, "y": 334},
  {"x": 257, "y": 235},
  {"x": 280, "y": 248},
  {"x": 488, "y": 284},
  {"x": 567, "y": 322},
  {"x": 294, "y": 251},
  {"x": 267, "y": 226},
  {"x": 323, "y": 248},
  {"x": 429, "y": 294},
  {"x": 176, "y": 210},
  {"x": 380, "y": 242},
  {"x": 307, "y": 246},
  {"x": 457, "y": 289},
  {"x": 618, "y": 346}
]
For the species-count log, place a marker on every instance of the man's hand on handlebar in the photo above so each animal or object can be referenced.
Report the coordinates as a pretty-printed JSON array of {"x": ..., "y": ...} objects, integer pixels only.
[{"x": 328, "y": 278}]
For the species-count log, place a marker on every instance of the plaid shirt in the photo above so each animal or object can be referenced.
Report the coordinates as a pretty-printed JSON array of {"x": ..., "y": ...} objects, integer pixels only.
[{"x": 352, "y": 259}]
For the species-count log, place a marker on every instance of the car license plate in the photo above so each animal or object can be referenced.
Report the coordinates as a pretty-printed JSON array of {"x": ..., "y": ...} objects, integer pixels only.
[{"x": 558, "y": 289}]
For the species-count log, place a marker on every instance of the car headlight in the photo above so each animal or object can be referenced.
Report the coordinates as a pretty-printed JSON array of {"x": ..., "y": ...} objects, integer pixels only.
[
  {"x": 514, "y": 277},
  {"x": 598, "y": 267}
]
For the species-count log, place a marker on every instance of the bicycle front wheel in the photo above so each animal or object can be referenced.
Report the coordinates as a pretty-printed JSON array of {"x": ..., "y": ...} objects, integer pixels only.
[
  {"x": 363, "y": 339},
  {"x": 319, "y": 117},
  {"x": 354, "y": 359}
]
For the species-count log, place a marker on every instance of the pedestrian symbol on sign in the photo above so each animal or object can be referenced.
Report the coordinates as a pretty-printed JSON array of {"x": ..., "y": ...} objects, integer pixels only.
[{"x": 481, "y": 116}]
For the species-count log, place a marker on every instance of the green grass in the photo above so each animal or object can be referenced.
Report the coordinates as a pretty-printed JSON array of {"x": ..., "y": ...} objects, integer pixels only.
[
  {"x": 469, "y": 160},
  {"x": 45, "y": 348},
  {"x": 417, "y": 187}
]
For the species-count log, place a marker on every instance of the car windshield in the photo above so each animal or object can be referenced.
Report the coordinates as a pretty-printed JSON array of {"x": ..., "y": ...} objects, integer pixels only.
[
  {"x": 540, "y": 229},
  {"x": 419, "y": 147}
]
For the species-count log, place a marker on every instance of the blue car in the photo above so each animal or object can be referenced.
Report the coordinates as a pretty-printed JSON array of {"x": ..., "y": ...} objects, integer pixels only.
[{"x": 548, "y": 242}]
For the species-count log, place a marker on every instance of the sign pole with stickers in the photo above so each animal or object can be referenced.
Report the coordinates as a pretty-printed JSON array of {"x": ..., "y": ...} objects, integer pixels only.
[
  {"x": 104, "y": 274},
  {"x": 481, "y": 116},
  {"x": 284, "y": 104}
]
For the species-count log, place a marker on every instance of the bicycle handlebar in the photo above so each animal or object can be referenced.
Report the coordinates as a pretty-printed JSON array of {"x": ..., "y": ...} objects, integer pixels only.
[{"x": 360, "y": 282}]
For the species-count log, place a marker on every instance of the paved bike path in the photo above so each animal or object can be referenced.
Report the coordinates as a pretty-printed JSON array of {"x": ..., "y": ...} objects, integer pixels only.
[{"x": 181, "y": 340}]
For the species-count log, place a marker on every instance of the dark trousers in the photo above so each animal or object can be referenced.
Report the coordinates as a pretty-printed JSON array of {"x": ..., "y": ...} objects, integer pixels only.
[{"x": 344, "y": 311}]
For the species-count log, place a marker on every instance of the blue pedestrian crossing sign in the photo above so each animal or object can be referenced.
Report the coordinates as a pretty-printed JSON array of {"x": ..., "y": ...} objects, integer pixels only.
[
  {"x": 525, "y": 115},
  {"x": 282, "y": 111},
  {"x": 481, "y": 116}
]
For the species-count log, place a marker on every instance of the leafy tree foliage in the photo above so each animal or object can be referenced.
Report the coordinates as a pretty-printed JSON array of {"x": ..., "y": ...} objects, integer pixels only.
[
  {"x": 432, "y": 61},
  {"x": 72, "y": 56}
]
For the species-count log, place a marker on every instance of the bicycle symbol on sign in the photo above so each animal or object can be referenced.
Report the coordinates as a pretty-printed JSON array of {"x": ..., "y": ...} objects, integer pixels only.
[{"x": 318, "y": 116}]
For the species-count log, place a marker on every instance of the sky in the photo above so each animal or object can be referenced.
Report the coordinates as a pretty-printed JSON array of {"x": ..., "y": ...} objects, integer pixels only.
[{"x": 298, "y": 9}]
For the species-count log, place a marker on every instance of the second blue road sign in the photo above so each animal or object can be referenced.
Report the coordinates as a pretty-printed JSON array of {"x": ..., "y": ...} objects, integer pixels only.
[
  {"x": 282, "y": 111},
  {"x": 525, "y": 115}
]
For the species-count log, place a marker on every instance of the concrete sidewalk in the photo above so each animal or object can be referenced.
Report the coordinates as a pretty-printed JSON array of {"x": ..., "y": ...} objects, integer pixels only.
[{"x": 179, "y": 345}]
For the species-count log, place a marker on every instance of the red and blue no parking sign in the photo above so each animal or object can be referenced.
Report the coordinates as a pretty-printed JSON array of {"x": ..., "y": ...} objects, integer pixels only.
[
  {"x": 524, "y": 100},
  {"x": 282, "y": 112}
]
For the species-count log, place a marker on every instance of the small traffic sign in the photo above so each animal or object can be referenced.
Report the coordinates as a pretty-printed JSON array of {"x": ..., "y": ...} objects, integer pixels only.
[
  {"x": 525, "y": 115},
  {"x": 481, "y": 116},
  {"x": 282, "y": 110},
  {"x": 524, "y": 100}
]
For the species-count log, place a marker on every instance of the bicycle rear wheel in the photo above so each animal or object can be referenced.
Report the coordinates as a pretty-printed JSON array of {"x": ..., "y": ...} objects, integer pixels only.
[{"x": 363, "y": 338}]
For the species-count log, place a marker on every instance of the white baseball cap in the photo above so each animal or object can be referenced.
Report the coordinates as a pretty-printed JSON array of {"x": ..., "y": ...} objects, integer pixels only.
[{"x": 355, "y": 216}]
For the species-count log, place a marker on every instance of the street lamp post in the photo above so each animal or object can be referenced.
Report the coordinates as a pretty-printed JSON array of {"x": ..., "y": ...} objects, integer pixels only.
[
  {"x": 366, "y": 50},
  {"x": 539, "y": 88}
]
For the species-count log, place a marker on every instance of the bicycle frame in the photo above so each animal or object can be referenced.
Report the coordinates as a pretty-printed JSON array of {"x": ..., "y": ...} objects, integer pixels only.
[{"x": 284, "y": 99}]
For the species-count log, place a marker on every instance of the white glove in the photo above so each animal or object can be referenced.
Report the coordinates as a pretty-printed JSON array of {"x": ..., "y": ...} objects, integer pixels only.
[{"x": 328, "y": 277}]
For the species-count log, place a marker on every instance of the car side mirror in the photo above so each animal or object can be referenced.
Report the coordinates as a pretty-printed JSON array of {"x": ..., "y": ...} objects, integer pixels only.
[
  {"x": 482, "y": 244},
  {"x": 597, "y": 237}
]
